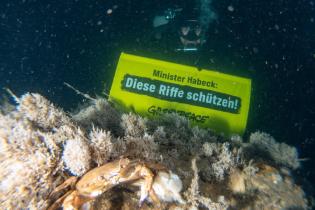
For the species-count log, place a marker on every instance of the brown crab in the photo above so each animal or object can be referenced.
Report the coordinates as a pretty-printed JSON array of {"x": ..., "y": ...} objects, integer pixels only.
[{"x": 155, "y": 181}]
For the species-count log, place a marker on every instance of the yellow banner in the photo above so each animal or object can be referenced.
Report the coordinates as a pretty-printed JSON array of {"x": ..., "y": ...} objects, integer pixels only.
[{"x": 207, "y": 98}]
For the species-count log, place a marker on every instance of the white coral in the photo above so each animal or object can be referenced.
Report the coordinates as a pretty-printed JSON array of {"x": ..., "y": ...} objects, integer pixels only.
[
  {"x": 195, "y": 199},
  {"x": 38, "y": 109},
  {"x": 221, "y": 158},
  {"x": 159, "y": 134},
  {"x": 26, "y": 165},
  {"x": 102, "y": 145},
  {"x": 208, "y": 149},
  {"x": 76, "y": 156},
  {"x": 99, "y": 114},
  {"x": 281, "y": 153},
  {"x": 144, "y": 147},
  {"x": 134, "y": 125},
  {"x": 225, "y": 162}
]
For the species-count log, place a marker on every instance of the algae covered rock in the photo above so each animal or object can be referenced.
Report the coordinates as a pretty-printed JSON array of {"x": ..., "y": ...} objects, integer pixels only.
[{"x": 41, "y": 145}]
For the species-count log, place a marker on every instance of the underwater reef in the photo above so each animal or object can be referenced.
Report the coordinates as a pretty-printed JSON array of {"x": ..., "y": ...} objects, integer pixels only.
[{"x": 41, "y": 146}]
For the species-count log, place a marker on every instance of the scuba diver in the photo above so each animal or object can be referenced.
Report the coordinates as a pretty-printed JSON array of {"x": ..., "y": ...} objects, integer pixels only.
[
  {"x": 184, "y": 25},
  {"x": 191, "y": 35}
]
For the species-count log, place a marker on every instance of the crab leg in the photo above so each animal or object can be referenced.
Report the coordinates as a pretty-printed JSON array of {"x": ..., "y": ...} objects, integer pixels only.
[
  {"x": 57, "y": 204},
  {"x": 140, "y": 171},
  {"x": 148, "y": 181},
  {"x": 74, "y": 201},
  {"x": 71, "y": 181}
]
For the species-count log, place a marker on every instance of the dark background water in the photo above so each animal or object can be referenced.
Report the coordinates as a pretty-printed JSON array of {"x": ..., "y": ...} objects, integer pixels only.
[{"x": 45, "y": 43}]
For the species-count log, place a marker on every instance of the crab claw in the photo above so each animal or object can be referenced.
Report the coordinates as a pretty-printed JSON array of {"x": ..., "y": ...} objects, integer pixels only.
[
  {"x": 142, "y": 199},
  {"x": 167, "y": 187},
  {"x": 144, "y": 192},
  {"x": 146, "y": 185}
]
